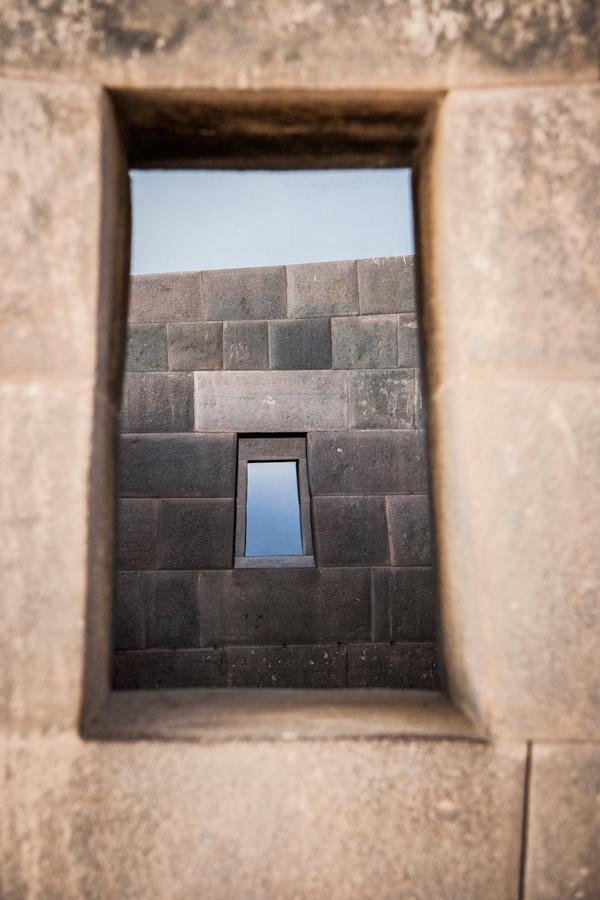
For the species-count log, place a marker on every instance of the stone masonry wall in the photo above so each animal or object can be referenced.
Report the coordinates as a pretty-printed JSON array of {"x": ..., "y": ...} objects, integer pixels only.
[{"x": 328, "y": 350}]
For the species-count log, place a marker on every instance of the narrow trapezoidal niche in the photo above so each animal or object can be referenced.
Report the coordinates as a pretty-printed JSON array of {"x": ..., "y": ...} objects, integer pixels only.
[{"x": 273, "y": 493}]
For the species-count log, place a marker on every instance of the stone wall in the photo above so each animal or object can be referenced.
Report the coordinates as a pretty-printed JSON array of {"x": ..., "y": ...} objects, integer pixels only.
[{"x": 325, "y": 350}]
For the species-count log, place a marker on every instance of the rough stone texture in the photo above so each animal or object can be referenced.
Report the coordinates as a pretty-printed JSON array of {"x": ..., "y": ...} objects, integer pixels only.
[
  {"x": 245, "y": 293},
  {"x": 300, "y": 344},
  {"x": 198, "y": 345},
  {"x": 364, "y": 342},
  {"x": 350, "y": 531},
  {"x": 195, "y": 534},
  {"x": 393, "y": 666},
  {"x": 270, "y": 401},
  {"x": 408, "y": 341},
  {"x": 170, "y": 297},
  {"x": 302, "y": 606},
  {"x": 177, "y": 465},
  {"x": 157, "y": 402},
  {"x": 132, "y": 593},
  {"x": 563, "y": 822},
  {"x": 245, "y": 345},
  {"x": 367, "y": 462},
  {"x": 403, "y": 604},
  {"x": 382, "y": 399},
  {"x": 386, "y": 284},
  {"x": 410, "y": 530},
  {"x": 146, "y": 348},
  {"x": 296, "y": 666},
  {"x": 322, "y": 289},
  {"x": 137, "y": 534},
  {"x": 151, "y": 669},
  {"x": 172, "y": 616}
]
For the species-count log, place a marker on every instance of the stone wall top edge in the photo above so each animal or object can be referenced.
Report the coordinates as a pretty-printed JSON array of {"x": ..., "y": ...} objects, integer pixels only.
[{"x": 408, "y": 258}]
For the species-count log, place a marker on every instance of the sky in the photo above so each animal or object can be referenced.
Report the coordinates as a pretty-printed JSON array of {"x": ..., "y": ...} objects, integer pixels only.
[
  {"x": 187, "y": 220},
  {"x": 272, "y": 510}
]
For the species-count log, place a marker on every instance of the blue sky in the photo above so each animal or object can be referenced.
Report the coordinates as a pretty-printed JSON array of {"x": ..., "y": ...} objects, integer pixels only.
[
  {"x": 189, "y": 220},
  {"x": 272, "y": 510}
]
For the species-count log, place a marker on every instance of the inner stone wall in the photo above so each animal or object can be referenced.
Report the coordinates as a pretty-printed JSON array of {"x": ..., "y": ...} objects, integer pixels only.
[{"x": 328, "y": 350}]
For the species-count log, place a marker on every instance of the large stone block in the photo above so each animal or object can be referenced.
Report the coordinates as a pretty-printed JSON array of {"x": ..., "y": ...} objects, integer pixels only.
[
  {"x": 245, "y": 293},
  {"x": 245, "y": 345},
  {"x": 146, "y": 348},
  {"x": 133, "y": 592},
  {"x": 404, "y": 604},
  {"x": 364, "y": 342},
  {"x": 196, "y": 345},
  {"x": 367, "y": 462},
  {"x": 408, "y": 341},
  {"x": 322, "y": 289},
  {"x": 284, "y": 606},
  {"x": 410, "y": 530},
  {"x": 386, "y": 284},
  {"x": 300, "y": 344},
  {"x": 195, "y": 534},
  {"x": 286, "y": 667},
  {"x": 182, "y": 465},
  {"x": 350, "y": 531},
  {"x": 271, "y": 401},
  {"x": 137, "y": 534},
  {"x": 157, "y": 402},
  {"x": 149, "y": 669},
  {"x": 406, "y": 666},
  {"x": 382, "y": 399},
  {"x": 171, "y": 297},
  {"x": 172, "y": 619}
]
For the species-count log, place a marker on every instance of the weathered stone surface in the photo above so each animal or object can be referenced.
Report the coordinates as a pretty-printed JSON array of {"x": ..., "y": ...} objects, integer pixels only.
[
  {"x": 133, "y": 590},
  {"x": 410, "y": 530},
  {"x": 364, "y": 342},
  {"x": 293, "y": 666},
  {"x": 149, "y": 669},
  {"x": 245, "y": 345},
  {"x": 300, "y": 344},
  {"x": 367, "y": 462},
  {"x": 408, "y": 341},
  {"x": 157, "y": 401},
  {"x": 350, "y": 531},
  {"x": 195, "y": 534},
  {"x": 403, "y": 604},
  {"x": 245, "y": 293},
  {"x": 283, "y": 606},
  {"x": 411, "y": 665},
  {"x": 137, "y": 534},
  {"x": 172, "y": 619},
  {"x": 386, "y": 284},
  {"x": 270, "y": 401},
  {"x": 322, "y": 289},
  {"x": 563, "y": 832},
  {"x": 382, "y": 399},
  {"x": 170, "y": 297},
  {"x": 196, "y": 345},
  {"x": 178, "y": 465},
  {"x": 146, "y": 348}
]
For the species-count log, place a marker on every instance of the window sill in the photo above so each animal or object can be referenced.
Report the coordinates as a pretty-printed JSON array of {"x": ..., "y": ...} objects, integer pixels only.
[{"x": 274, "y": 562}]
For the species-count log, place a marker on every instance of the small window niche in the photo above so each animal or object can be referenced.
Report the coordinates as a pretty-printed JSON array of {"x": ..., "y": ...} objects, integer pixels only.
[{"x": 273, "y": 504}]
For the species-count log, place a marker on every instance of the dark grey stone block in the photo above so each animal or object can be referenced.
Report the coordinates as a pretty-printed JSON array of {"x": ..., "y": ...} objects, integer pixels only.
[
  {"x": 407, "y": 665},
  {"x": 132, "y": 593},
  {"x": 283, "y": 606},
  {"x": 195, "y": 534},
  {"x": 172, "y": 297},
  {"x": 408, "y": 341},
  {"x": 420, "y": 408},
  {"x": 322, "y": 289},
  {"x": 300, "y": 344},
  {"x": 195, "y": 345},
  {"x": 410, "y": 530},
  {"x": 364, "y": 342},
  {"x": 380, "y": 399},
  {"x": 148, "y": 669},
  {"x": 137, "y": 534},
  {"x": 257, "y": 293},
  {"x": 245, "y": 345},
  {"x": 172, "y": 618},
  {"x": 350, "y": 531},
  {"x": 146, "y": 348},
  {"x": 182, "y": 465},
  {"x": 286, "y": 667},
  {"x": 403, "y": 604},
  {"x": 387, "y": 284},
  {"x": 157, "y": 402},
  {"x": 367, "y": 462}
]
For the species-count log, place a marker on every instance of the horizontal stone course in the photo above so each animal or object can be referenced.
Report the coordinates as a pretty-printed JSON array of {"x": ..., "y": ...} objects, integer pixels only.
[
  {"x": 245, "y": 345},
  {"x": 293, "y": 666},
  {"x": 402, "y": 665},
  {"x": 170, "y": 297},
  {"x": 386, "y": 284},
  {"x": 195, "y": 345},
  {"x": 172, "y": 618},
  {"x": 252, "y": 293},
  {"x": 410, "y": 530},
  {"x": 322, "y": 289},
  {"x": 195, "y": 534},
  {"x": 137, "y": 534},
  {"x": 157, "y": 402},
  {"x": 300, "y": 344},
  {"x": 403, "y": 604},
  {"x": 350, "y": 531},
  {"x": 364, "y": 342},
  {"x": 151, "y": 669},
  {"x": 381, "y": 399},
  {"x": 146, "y": 349}
]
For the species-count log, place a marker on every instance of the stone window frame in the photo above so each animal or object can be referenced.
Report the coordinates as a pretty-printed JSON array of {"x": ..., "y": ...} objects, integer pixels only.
[{"x": 272, "y": 449}]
